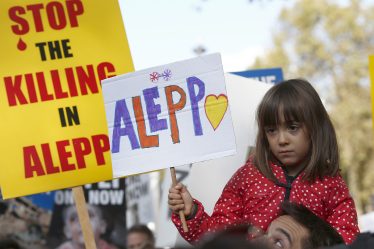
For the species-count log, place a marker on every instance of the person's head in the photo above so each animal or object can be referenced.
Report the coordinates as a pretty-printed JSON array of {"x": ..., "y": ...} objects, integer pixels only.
[
  {"x": 231, "y": 237},
  {"x": 295, "y": 129},
  {"x": 363, "y": 241},
  {"x": 9, "y": 244},
  {"x": 140, "y": 237},
  {"x": 72, "y": 228},
  {"x": 299, "y": 228}
]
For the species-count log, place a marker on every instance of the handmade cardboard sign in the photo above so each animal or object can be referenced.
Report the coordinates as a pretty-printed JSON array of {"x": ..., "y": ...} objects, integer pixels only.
[
  {"x": 169, "y": 115},
  {"x": 53, "y": 127}
]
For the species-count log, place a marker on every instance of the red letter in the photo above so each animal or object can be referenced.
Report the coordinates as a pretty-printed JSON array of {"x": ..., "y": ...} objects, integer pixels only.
[
  {"x": 64, "y": 155},
  {"x": 101, "y": 144},
  {"x": 48, "y": 160},
  {"x": 87, "y": 79},
  {"x": 71, "y": 82},
  {"x": 145, "y": 140},
  {"x": 35, "y": 9},
  {"x": 13, "y": 90},
  {"x": 31, "y": 88},
  {"x": 32, "y": 162},
  {"x": 75, "y": 7},
  {"x": 174, "y": 107},
  {"x": 104, "y": 68},
  {"x": 60, "y": 94},
  {"x": 23, "y": 26},
  {"x": 82, "y": 147},
  {"x": 56, "y": 15},
  {"x": 44, "y": 95}
]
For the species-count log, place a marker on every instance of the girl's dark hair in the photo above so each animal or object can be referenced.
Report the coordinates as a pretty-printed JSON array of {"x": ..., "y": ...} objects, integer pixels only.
[{"x": 298, "y": 101}]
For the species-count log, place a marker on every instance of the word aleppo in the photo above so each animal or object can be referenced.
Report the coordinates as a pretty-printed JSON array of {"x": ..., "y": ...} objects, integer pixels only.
[
  {"x": 123, "y": 123},
  {"x": 81, "y": 147}
]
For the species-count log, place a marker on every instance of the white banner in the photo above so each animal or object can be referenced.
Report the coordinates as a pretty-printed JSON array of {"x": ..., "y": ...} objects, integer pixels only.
[{"x": 169, "y": 115}]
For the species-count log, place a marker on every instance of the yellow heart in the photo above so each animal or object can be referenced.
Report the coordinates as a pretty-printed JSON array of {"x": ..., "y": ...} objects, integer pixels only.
[{"x": 215, "y": 109}]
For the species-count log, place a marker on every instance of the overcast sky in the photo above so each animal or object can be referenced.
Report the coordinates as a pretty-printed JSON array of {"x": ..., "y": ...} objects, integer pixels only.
[{"x": 165, "y": 31}]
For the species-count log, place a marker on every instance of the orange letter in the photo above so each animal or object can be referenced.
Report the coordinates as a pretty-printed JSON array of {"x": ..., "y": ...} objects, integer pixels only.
[
  {"x": 174, "y": 107},
  {"x": 145, "y": 140}
]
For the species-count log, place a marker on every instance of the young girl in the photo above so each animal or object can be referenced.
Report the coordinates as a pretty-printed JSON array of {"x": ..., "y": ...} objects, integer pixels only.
[{"x": 296, "y": 158}]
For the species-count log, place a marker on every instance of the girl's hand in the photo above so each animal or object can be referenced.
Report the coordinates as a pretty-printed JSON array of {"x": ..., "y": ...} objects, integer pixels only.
[{"x": 180, "y": 199}]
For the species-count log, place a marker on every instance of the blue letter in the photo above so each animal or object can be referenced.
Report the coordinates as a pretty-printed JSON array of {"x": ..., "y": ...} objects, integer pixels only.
[
  {"x": 122, "y": 113},
  {"x": 153, "y": 110},
  {"x": 191, "y": 82}
]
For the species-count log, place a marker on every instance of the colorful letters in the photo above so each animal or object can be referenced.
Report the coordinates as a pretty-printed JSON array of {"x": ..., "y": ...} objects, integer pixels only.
[{"x": 176, "y": 98}]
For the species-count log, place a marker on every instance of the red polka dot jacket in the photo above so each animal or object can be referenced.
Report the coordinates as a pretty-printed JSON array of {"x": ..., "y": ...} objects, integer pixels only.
[{"x": 249, "y": 197}]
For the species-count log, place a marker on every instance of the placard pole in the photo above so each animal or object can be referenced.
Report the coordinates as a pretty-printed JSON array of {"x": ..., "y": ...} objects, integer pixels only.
[
  {"x": 181, "y": 213},
  {"x": 84, "y": 218}
]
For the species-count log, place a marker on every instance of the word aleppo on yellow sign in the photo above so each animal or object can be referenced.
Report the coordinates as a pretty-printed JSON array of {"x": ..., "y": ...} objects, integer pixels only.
[
  {"x": 54, "y": 55},
  {"x": 169, "y": 115}
]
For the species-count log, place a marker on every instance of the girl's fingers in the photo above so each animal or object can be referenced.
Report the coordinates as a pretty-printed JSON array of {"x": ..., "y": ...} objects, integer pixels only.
[
  {"x": 175, "y": 202},
  {"x": 175, "y": 199},
  {"x": 176, "y": 189},
  {"x": 174, "y": 196},
  {"x": 179, "y": 186},
  {"x": 176, "y": 208}
]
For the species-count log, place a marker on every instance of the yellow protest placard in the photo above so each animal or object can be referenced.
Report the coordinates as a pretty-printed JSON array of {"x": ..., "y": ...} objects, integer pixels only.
[
  {"x": 53, "y": 128},
  {"x": 371, "y": 71}
]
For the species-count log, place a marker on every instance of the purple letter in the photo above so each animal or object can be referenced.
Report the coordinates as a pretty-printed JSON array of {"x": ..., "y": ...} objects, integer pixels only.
[
  {"x": 191, "y": 82},
  {"x": 153, "y": 110},
  {"x": 122, "y": 113}
]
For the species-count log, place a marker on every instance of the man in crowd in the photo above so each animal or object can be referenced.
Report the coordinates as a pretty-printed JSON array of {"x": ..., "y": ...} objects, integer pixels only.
[
  {"x": 296, "y": 228},
  {"x": 299, "y": 228},
  {"x": 140, "y": 237}
]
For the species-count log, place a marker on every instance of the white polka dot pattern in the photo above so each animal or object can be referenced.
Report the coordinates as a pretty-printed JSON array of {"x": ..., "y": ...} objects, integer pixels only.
[{"x": 251, "y": 198}]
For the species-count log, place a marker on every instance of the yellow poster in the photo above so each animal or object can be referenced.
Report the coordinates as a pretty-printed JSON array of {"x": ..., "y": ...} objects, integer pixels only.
[
  {"x": 371, "y": 69},
  {"x": 53, "y": 56}
]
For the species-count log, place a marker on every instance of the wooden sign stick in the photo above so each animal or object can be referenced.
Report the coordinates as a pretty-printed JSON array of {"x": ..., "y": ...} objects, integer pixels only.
[
  {"x": 181, "y": 213},
  {"x": 84, "y": 218}
]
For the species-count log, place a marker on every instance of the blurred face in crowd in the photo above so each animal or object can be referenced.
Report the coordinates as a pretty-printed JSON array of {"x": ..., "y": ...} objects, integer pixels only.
[
  {"x": 73, "y": 229},
  {"x": 137, "y": 240},
  {"x": 285, "y": 233}
]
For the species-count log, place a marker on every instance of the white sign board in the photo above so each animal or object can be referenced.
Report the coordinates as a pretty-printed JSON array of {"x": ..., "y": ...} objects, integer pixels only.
[{"x": 169, "y": 115}]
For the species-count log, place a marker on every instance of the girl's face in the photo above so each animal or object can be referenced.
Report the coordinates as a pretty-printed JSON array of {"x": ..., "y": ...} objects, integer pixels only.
[{"x": 289, "y": 142}]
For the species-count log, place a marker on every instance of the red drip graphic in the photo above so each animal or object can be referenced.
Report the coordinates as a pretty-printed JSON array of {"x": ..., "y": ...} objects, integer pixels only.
[{"x": 21, "y": 45}]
